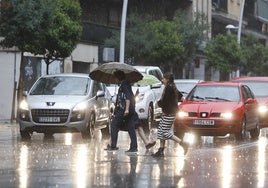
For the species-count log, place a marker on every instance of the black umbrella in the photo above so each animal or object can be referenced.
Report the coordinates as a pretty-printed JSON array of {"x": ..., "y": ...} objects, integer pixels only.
[{"x": 105, "y": 73}]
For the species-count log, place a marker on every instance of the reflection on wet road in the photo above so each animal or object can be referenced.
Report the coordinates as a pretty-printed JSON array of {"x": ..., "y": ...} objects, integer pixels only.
[{"x": 66, "y": 160}]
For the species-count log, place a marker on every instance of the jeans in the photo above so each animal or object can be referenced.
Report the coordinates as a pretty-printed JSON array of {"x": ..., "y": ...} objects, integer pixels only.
[{"x": 130, "y": 128}]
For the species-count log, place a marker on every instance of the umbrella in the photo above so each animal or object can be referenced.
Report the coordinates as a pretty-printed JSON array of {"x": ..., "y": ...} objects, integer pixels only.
[
  {"x": 104, "y": 73},
  {"x": 148, "y": 80}
]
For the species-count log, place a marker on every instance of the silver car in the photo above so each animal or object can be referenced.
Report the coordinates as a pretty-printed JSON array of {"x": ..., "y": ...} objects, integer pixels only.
[{"x": 65, "y": 103}]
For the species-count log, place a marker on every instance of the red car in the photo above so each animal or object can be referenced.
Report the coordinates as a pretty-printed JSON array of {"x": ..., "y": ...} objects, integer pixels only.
[
  {"x": 217, "y": 109},
  {"x": 259, "y": 86}
]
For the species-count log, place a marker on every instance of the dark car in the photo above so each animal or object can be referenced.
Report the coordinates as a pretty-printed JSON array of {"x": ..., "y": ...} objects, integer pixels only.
[
  {"x": 259, "y": 86},
  {"x": 217, "y": 109}
]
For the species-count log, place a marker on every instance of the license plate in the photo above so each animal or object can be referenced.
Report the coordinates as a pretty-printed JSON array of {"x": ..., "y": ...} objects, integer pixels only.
[
  {"x": 49, "y": 119},
  {"x": 203, "y": 122}
]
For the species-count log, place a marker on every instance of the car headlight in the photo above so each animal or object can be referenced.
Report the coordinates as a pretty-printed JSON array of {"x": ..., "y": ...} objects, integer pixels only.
[
  {"x": 227, "y": 115},
  {"x": 262, "y": 109},
  {"x": 24, "y": 105},
  {"x": 139, "y": 98},
  {"x": 80, "y": 106},
  {"x": 182, "y": 114}
]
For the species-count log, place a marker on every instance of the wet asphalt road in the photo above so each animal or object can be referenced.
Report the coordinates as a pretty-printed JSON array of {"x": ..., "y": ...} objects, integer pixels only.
[{"x": 66, "y": 160}]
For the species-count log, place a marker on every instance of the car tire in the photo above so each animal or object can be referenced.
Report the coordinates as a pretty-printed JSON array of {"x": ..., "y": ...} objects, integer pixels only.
[
  {"x": 255, "y": 132},
  {"x": 26, "y": 135},
  {"x": 89, "y": 132},
  {"x": 242, "y": 133}
]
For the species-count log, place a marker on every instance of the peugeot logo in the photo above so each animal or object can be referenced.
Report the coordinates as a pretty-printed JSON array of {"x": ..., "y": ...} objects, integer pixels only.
[{"x": 50, "y": 103}]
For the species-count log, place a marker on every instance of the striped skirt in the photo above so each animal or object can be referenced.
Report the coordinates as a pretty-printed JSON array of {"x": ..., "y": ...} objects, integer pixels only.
[{"x": 165, "y": 129}]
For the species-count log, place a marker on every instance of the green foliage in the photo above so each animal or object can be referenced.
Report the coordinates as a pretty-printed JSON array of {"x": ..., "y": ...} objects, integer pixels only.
[
  {"x": 224, "y": 54},
  {"x": 193, "y": 31},
  {"x": 255, "y": 57},
  {"x": 50, "y": 28},
  {"x": 64, "y": 31},
  {"x": 165, "y": 42},
  {"x": 20, "y": 22},
  {"x": 160, "y": 42}
]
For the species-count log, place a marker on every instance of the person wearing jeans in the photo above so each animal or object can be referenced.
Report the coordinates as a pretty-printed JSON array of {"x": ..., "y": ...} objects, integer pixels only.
[{"x": 124, "y": 113}]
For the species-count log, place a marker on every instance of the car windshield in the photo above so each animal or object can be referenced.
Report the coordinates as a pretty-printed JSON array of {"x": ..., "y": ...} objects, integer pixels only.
[
  {"x": 61, "y": 85},
  {"x": 185, "y": 86},
  {"x": 260, "y": 89},
  {"x": 215, "y": 93}
]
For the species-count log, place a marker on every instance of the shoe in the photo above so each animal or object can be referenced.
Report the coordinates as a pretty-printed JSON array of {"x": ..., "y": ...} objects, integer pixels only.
[
  {"x": 132, "y": 150},
  {"x": 151, "y": 144},
  {"x": 110, "y": 148},
  {"x": 159, "y": 153},
  {"x": 185, "y": 147}
]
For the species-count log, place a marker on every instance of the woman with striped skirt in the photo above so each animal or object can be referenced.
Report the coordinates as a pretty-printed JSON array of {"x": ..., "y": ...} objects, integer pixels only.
[{"x": 169, "y": 105}]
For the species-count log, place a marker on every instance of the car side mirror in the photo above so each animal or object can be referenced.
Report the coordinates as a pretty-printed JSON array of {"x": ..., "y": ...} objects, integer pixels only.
[
  {"x": 250, "y": 101},
  {"x": 100, "y": 94},
  {"x": 24, "y": 93}
]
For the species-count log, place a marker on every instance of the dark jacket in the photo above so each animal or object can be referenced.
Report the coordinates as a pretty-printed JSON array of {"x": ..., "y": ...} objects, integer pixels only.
[
  {"x": 124, "y": 93},
  {"x": 169, "y": 101}
]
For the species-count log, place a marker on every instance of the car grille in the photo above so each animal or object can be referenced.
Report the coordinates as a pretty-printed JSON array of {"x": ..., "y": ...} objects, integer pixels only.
[{"x": 52, "y": 115}]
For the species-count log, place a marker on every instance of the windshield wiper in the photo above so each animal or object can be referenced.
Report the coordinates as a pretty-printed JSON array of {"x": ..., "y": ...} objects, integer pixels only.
[
  {"x": 183, "y": 92},
  {"x": 217, "y": 98},
  {"x": 197, "y": 97}
]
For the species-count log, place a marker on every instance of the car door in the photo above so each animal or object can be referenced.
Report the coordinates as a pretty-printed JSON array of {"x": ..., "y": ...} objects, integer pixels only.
[
  {"x": 250, "y": 108},
  {"x": 101, "y": 104}
]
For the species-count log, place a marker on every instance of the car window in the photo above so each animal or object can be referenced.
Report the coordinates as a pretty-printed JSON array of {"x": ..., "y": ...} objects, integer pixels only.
[
  {"x": 247, "y": 93},
  {"x": 156, "y": 73},
  {"x": 260, "y": 89},
  {"x": 222, "y": 93},
  {"x": 61, "y": 85},
  {"x": 185, "y": 86}
]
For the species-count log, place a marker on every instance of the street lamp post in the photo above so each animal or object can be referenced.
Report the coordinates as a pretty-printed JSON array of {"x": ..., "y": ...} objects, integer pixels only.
[
  {"x": 229, "y": 27},
  {"x": 240, "y": 22},
  {"x": 122, "y": 34},
  {"x": 239, "y": 30}
]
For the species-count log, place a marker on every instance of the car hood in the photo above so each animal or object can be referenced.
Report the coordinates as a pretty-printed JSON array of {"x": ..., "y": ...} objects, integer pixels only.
[
  {"x": 54, "y": 101},
  {"x": 191, "y": 106}
]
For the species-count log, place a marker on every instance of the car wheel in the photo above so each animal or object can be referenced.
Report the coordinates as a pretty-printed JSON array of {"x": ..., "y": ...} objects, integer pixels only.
[
  {"x": 242, "y": 134},
  {"x": 255, "y": 132},
  {"x": 89, "y": 132},
  {"x": 26, "y": 135}
]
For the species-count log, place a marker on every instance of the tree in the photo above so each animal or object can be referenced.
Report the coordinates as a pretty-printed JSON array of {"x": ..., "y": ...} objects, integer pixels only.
[
  {"x": 50, "y": 28},
  {"x": 224, "y": 54},
  {"x": 162, "y": 42},
  {"x": 63, "y": 33},
  {"x": 135, "y": 39},
  {"x": 45, "y": 27},
  {"x": 255, "y": 57},
  {"x": 194, "y": 32}
]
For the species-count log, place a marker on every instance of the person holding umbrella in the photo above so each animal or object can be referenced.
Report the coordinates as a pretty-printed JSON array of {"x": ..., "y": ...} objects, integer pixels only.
[
  {"x": 169, "y": 105},
  {"x": 125, "y": 114},
  {"x": 124, "y": 110}
]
